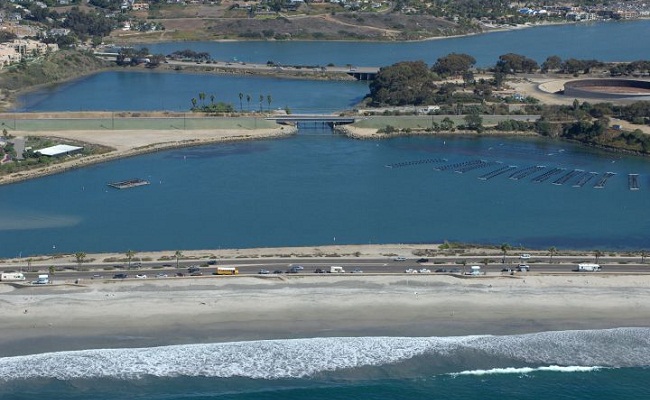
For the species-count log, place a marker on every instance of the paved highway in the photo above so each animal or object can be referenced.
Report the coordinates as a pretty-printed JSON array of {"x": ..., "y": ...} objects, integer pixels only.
[{"x": 369, "y": 266}]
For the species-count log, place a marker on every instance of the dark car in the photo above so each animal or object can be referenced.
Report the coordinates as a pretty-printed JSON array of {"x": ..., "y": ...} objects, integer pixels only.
[
  {"x": 120, "y": 276},
  {"x": 441, "y": 270},
  {"x": 193, "y": 269},
  {"x": 212, "y": 262},
  {"x": 423, "y": 260},
  {"x": 180, "y": 274},
  {"x": 293, "y": 270},
  {"x": 319, "y": 271},
  {"x": 278, "y": 271}
]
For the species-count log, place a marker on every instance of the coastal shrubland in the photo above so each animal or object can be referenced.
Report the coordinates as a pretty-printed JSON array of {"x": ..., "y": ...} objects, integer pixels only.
[{"x": 51, "y": 68}]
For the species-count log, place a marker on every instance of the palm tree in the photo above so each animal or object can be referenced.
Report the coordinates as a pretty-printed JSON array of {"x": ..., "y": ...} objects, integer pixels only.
[
  {"x": 129, "y": 256},
  {"x": 193, "y": 103},
  {"x": 248, "y": 101},
  {"x": 597, "y": 255},
  {"x": 551, "y": 251},
  {"x": 268, "y": 100},
  {"x": 644, "y": 254},
  {"x": 178, "y": 255},
  {"x": 261, "y": 100},
  {"x": 504, "y": 249},
  {"x": 202, "y": 98},
  {"x": 79, "y": 256},
  {"x": 464, "y": 265},
  {"x": 241, "y": 106},
  {"x": 211, "y": 99},
  {"x": 51, "y": 269}
]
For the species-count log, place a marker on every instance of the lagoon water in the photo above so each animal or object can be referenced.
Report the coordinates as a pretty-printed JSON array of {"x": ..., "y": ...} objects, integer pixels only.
[{"x": 321, "y": 188}]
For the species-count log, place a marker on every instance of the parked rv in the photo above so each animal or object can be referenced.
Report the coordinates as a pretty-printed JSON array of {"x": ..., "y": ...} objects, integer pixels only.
[
  {"x": 12, "y": 277},
  {"x": 588, "y": 267},
  {"x": 336, "y": 270}
]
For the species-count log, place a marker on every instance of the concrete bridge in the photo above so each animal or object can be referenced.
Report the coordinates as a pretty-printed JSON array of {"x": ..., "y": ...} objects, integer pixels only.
[{"x": 295, "y": 119}]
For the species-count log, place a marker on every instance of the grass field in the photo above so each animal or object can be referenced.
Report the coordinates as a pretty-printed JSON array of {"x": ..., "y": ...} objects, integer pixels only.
[{"x": 112, "y": 122}]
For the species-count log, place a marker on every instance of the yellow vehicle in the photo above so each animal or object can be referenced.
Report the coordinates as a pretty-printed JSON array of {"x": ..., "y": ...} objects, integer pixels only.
[{"x": 226, "y": 271}]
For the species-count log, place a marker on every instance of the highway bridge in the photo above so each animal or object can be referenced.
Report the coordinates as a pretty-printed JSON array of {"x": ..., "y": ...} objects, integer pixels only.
[{"x": 297, "y": 119}]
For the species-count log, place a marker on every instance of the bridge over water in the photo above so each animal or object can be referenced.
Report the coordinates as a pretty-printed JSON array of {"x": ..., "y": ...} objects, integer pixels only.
[{"x": 297, "y": 119}]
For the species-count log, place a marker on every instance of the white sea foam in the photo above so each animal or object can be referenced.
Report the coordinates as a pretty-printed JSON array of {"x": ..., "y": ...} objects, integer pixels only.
[
  {"x": 527, "y": 370},
  {"x": 297, "y": 358}
]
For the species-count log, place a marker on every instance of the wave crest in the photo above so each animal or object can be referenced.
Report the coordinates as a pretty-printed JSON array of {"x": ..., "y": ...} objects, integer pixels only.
[{"x": 566, "y": 351}]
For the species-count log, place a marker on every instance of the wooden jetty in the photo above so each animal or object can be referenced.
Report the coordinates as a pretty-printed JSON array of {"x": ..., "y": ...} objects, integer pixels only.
[{"x": 130, "y": 183}]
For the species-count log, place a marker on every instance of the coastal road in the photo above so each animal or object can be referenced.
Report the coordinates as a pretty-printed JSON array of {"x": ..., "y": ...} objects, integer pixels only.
[{"x": 624, "y": 265}]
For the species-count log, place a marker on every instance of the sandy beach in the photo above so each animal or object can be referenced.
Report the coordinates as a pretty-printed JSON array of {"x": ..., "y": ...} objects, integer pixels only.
[{"x": 111, "y": 314}]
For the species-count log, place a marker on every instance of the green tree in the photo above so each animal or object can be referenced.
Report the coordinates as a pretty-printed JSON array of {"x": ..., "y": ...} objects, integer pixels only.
[
  {"x": 446, "y": 125},
  {"x": 453, "y": 64},
  {"x": 248, "y": 101},
  {"x": 403, "y": 83},
  {"x": 474, "y": 122},
  {"x": 504, "y": 250},
  {"x": 129, "y": 256},
  {"x": 644, "y": 254},
  {"x": 269, "y": 100},
  {"x": 79, "y": 256},
  {"x": 597, "y": 255},
  {"x": 178, "y": 255},
  {"x": 261, "y": 100},
  {"x": 241, "y": 97},
  {"x": 202, "y": 98},
  {"x": 193, "y": 103},
  {"x": 551, "y": 251}
]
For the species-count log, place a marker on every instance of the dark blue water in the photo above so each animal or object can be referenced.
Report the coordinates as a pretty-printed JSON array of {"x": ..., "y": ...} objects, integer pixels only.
[
  {"x": 139, "y": 91},
  {"x": 319, "y": 188},
  {"x": 606, "y": 41},
  {"x": 548, "y": 365}
]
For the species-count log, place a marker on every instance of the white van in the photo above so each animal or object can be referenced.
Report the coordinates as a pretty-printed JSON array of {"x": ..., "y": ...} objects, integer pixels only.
[
  {"x": 336, "y": 270},
  {"x": 12, "y": 276},
  {"x": 588, "y": 267}
]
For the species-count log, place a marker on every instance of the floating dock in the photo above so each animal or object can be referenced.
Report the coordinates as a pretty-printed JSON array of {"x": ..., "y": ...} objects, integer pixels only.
[
  {"x": 633, "y": 181},
  {"x": 603, "y": 180},
  {"x": 568, "y": 176},
  {"x": 521, "y": 174},
  {"x": 131, "y": 183},
  {"x": 546, "y": 175},
  {"x": 497, "y": 172},
  {"x": 584, "y": 178},
  {"x": 416, "y": 162}
]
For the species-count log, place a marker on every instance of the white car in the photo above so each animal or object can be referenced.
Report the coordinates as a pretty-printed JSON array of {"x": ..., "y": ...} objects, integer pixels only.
[
  {"x": 411, "y": 271},
  {"x": 525, "y": 256},
  {"x": 400, "y": 258},
  {"x": 141, "y": 276},
  {"x": 424, "y": 271}
]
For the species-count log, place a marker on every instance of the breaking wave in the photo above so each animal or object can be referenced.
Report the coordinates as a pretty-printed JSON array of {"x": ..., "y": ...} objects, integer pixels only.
[
  {"x": 527, "y": 370},
  {"x": 564, "y": 351}
]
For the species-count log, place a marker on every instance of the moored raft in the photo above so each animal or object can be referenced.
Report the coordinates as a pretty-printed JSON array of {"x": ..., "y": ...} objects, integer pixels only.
[{"x": 127, "y": 184}]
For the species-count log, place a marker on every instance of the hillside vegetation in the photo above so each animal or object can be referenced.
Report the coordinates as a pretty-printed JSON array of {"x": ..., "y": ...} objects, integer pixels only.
[{"x": 51, "y": 68}]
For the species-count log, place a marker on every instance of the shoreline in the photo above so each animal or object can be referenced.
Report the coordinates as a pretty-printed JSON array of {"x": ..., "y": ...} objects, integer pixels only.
[
  {"x": 159, "y": 140},
  {"x": 169, "y": 311}
]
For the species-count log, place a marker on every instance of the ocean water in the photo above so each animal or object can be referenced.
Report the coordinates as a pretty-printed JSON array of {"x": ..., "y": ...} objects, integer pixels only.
[{"x": 592, "y": 364}]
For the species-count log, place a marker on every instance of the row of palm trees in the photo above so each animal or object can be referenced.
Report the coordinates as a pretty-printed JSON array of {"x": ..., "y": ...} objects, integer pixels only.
[{"x": 261, "y": 99}]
